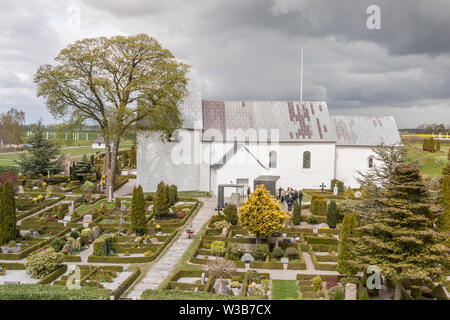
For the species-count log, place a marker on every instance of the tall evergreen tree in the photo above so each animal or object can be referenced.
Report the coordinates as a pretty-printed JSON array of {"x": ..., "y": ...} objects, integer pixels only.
[
  {"x": 397, "y": 234},
  {"x": 332, "y": 215},
  {"x": 297, "y": 213},
  {"x": 161, "y": 203},
  {"x": 84, "y": 168},
  {"x": 138, "y": 219},
  {"x": 7, "y": 214},
  {"x": 345, "y": 255},
  {"x": 43, "y": 154}
]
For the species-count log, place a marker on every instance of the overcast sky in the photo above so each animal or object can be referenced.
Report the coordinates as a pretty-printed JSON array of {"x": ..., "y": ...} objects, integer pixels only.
[{"x": 250, "y": 50}]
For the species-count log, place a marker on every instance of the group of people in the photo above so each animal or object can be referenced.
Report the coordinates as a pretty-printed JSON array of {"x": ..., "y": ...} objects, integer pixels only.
[{"x": 290, "y": 195}]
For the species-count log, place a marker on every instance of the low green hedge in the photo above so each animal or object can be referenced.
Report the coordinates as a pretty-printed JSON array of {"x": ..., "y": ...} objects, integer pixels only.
[
  {"x": 68, "y": 258},
  {"x": 50, "y": 292},
  {"x": 22, "y": 215},
  {"x": 12, "y": 266},
  {"x": 317, "y": 240},
  {"x": 127, "y": 283},
  {"x": 54, "y": 275}
]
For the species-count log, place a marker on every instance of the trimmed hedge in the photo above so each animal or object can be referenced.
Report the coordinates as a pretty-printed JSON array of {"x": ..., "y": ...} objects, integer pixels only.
[
  {"x": 12, "y": 266},
  {"x": 127, "y": 283},
  {"x": 50, "y": 292},
  {"x": 54, "y": 275}
]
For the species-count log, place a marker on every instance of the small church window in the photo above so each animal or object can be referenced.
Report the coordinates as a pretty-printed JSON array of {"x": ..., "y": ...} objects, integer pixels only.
[
  {"x": 272, "y": 159},
  {"x": 371, "y": 164},
  {"x": 306, "y": 160}
]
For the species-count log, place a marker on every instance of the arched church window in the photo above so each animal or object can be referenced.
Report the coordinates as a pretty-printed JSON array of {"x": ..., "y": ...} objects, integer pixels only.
[
  {"x": 306, "y": 160},
  {"x": 272, "y": 159},
  {"x": 371, "y": 163}
]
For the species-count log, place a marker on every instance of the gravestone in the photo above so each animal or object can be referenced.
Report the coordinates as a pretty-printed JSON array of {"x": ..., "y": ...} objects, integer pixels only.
[
  {"x": 154, "y": 240},
  {"x": 247, "y": 257},
  {"x": 276, "y": 242},
  {"x": 20, "y": 190},
  {"x": 66, "y": 247},
  {"x": 350, "y": 291},
  {"x": 110, "y": 194},
  {"x": 235, "y": 199},
  {"x": 151, "y": 230},
  {"x": 203, "y": 278},
  {"x": 224, "y": 232},
  {"x": 36, "y": 234},
  {"x": 221, "y": 286},
  {"x": 35, "y": 188},
  {"x": 358, "y": 194},
  {"x": 67, "y": 218},
  {"x": 96, "y": 232},
  {"x": 24, "y": 233},
  {"x": 78, "y": 243}
]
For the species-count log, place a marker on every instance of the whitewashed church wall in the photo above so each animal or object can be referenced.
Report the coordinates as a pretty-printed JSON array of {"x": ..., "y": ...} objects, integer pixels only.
[
  {"x": 350, "y": 160},
  {"x": 160, "y": 161}
]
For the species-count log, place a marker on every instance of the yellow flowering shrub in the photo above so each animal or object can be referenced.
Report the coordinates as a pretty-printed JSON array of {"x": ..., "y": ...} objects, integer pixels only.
[{"x": 261, "y": 214}]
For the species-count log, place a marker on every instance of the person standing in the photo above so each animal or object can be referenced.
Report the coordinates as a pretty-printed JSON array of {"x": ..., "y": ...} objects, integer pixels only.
[
  {"x": 248, "y": 192},
  {"x": 290, "y": 201},
  {"x": 280, "y": 190},
  {"x": 300, "y": 197}
]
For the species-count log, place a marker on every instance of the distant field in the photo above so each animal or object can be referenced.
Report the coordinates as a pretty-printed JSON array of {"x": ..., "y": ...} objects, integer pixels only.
[
  {"x": 430, "y": 163},
  {"x": 6, "y": 159}
]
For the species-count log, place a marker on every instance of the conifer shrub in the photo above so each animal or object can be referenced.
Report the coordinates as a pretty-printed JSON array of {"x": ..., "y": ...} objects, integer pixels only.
[
  {"x": 161, "y": 203},
  {"x": 297, "y": 214},
  {"x": 260, "y": 251},
  {"x": 230, "y": 213},
  {"x": 332, "y": 214}
]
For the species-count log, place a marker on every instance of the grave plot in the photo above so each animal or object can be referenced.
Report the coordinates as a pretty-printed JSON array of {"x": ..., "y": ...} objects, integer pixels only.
[
  {"x": 313, "y": 287},
  {"x": 113, "y": 278},
  {"x": 111, "y": 248},
  {"x": 178, "y": 213},
  {"x": 28, "y": 204},
  {"x": 323, "y": 251},
  {"x": 241, "y": 284},
  {"x": 30, "y": 241},
  {"x": 14, "y": 273},
  {"x": 282, "y": 251}
]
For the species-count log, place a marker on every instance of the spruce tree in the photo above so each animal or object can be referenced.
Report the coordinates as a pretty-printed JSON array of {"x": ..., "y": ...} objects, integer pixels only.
[
  {"x": 332, "y": 215},
  {"x": 444, "y": 220},
  {"x": 161, "y": 203},
  {"x": 7, "y": 214},
  {"x": 84, "y": 168},
  {"x": 397, "y": 234},
  {"x": 345, "y": 255},
  {"x": 138, "y": 219},
  {"x": 43, "y": 153}
]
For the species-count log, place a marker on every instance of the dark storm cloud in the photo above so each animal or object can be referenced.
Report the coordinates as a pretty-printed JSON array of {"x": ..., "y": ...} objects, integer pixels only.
[{"x": 249, "y": 49}]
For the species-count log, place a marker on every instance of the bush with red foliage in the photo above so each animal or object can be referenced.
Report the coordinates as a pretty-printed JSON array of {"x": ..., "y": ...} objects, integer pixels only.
[
  {"x": 8, "y": 176},
  {"x": 331, "y": 282}
]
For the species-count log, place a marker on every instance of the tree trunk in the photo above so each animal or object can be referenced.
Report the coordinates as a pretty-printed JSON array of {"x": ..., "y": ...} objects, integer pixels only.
[
  {"x": 113, "y": 167},
  {"x": 398, "y": 290},
  {"x": 107, "y": 165}
]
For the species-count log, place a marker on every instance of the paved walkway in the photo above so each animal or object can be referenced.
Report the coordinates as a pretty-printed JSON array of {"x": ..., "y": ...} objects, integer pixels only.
[
  {"x": 164, "y": 266},
  {"x": 126, "y": 189}
]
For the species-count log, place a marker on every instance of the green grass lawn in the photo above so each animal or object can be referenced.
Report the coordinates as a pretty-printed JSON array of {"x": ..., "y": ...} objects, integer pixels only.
[
  {"x": 284, "y": 290},
  {"x": 83, "y": 209},
  {"x": 430, "y": 163},
  {"x": 7, "y": 159}
]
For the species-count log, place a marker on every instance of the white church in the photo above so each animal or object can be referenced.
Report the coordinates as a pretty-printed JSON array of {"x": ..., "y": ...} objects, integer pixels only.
[{"x": 294, "y": 144}]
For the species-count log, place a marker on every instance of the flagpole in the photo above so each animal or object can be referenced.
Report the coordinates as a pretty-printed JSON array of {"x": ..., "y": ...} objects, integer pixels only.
[{"x": 301, "y": 76}]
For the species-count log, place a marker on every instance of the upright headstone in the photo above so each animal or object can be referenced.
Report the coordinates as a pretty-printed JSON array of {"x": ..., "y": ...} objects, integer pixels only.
[
  {"x": 110, "y": 198},
  {"x": 350, "y": 291},
  {"x": 20, "y": 190}
]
